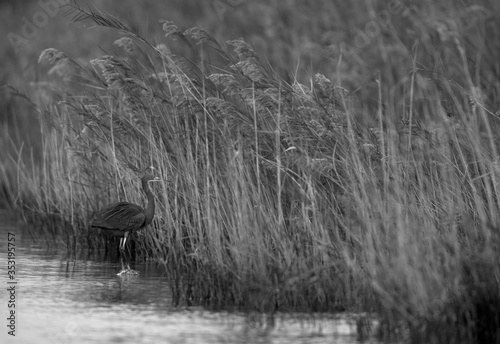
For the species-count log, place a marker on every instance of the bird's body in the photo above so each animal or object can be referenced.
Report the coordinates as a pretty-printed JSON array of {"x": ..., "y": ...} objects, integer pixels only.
[{"x": 122, "y": 218}]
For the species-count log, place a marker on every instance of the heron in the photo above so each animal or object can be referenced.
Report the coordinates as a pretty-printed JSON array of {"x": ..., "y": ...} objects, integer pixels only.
[{"x": 123, "y": 218}]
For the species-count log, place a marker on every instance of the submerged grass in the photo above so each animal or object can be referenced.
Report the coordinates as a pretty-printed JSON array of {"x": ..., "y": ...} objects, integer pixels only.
[{"x": 285, "y": 196}]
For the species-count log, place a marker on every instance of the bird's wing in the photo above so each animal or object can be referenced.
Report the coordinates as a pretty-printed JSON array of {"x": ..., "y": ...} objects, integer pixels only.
[{"x": 121, "y": 216}]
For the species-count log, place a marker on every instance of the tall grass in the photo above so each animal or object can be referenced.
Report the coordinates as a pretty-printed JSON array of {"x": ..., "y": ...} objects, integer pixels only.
[{"x": 289, "y": 196}]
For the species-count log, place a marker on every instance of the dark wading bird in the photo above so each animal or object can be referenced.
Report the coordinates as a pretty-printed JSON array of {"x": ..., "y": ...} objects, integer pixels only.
[{"x": 123, "y": 218}]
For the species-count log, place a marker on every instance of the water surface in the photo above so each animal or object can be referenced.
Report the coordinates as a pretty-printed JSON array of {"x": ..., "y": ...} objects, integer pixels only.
[{"x": 62, "y": 300}]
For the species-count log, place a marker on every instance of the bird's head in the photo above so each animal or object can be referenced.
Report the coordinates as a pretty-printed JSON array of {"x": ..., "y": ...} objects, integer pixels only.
[
  {"x": 149, "y": 175},
  {"x": 146, "y": 179}
]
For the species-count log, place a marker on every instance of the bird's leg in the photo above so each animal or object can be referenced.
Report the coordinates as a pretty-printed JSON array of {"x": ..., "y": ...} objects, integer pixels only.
[
  {"x": 128, "y": 270},
  {"x": 121, "y": 246},
  {"x": 123, "y": 270},
  {"x": 124, "y": 241}
]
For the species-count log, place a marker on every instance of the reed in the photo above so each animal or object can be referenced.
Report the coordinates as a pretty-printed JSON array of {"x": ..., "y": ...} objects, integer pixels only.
[{"x": 286, "y": 196}]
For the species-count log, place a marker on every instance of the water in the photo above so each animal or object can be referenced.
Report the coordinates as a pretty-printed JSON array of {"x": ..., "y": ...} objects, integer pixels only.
[{"x": 60, "y": 300}]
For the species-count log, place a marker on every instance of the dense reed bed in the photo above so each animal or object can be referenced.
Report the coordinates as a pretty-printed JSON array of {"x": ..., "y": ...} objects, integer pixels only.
[{"x": 284, "y": 195}]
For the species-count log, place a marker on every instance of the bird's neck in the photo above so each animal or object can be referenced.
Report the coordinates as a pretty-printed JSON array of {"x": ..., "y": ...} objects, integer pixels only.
[{"x": 150, "y": 209}]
